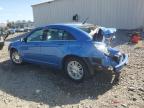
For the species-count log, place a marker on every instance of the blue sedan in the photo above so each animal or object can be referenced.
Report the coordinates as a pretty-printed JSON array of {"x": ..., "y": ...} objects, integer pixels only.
[{"x": 71, "y": 47}]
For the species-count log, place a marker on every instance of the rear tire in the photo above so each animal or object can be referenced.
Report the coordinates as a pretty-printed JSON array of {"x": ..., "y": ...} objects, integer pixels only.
[
  {"x": 76, "y": 69},
  {"x": 15, "y": 57}
]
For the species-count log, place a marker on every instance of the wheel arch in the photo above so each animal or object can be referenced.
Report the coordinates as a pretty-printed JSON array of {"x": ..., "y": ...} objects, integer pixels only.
[
  {"x": 70, "y": 56},
  {"x": 12, "y": 49},
  {"x": 87, "y": 63},
  {"x": 75, "y": 56}
]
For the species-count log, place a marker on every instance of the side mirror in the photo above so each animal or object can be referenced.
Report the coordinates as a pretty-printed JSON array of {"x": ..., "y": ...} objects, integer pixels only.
[{"x": 23, "y": 40}]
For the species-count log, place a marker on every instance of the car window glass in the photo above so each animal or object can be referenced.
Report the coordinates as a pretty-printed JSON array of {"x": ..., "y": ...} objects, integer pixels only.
[
  {"x": 56, "y": 34},
  {"x": 88, "y": 29},
  {"x": 67, "y": 36},
  {"x": 36, "y": 36}
]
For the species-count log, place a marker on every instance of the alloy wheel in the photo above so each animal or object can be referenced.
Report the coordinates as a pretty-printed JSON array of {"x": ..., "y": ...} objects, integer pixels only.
[
  {"x": 75, "y": 70},
  {"x": 16, "y": 57}
]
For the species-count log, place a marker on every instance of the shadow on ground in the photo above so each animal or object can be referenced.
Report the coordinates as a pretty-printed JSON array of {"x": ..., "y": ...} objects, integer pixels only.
[{"x": 42, "y": 84}]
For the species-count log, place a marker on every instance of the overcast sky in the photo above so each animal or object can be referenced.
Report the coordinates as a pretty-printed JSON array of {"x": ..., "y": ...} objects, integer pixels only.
[{"x": 13, "y": 10}]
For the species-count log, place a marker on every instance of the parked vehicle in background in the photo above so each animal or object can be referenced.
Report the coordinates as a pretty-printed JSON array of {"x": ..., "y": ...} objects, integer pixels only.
[
  {"x": 11, "y": 31},
  {"x": 27, "y": 29},
  {"x": 69, "y": 47},
  {"x": 1, "y": 40},
  {"x": 4, "y": 34},
  {"x": 20, "y": 30}
]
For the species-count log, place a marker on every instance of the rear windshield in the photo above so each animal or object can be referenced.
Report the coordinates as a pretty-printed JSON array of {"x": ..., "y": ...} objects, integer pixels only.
[
  {"x": 94, "y": 32},
  {"x": 88, "y": 29}
]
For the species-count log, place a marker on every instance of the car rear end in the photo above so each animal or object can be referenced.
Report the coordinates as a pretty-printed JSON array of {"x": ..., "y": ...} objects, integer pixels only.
[{"x": 106, "y": 58}]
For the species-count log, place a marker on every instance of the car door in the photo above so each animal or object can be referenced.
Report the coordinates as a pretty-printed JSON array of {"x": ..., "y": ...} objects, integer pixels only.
[
  {"x": 55, "y": 45},
  {"x": 32, "y": 47}
]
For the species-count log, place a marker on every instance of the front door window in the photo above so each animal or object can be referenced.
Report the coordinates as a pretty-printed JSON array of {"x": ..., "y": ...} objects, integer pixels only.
[{"x": 36, "y": 36}]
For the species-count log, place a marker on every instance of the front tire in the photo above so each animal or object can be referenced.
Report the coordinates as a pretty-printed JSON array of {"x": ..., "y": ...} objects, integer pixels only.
[
  {"x": 76, "y": 69},
  {"x": 15, "y": 57}
]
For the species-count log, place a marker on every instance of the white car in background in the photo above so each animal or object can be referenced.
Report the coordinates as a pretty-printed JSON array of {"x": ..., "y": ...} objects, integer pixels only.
[{"x": 20, "y": 30}]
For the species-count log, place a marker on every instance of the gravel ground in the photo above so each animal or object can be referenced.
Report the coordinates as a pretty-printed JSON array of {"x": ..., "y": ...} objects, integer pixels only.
[{"x": 33, "y": 86}]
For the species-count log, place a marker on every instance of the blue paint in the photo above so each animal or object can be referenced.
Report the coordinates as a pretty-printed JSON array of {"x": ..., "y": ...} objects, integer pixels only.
[{"x": 53, "y": 52}]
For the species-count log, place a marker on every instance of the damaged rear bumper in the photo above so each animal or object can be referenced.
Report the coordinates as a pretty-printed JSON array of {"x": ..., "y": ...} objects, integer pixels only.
[
  {"x": 117, "y": 68},
  {"x": 123, "y": 62}
]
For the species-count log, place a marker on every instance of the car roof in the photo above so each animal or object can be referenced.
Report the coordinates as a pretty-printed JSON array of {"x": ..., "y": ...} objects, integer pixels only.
[
  {"x": 73, "y": 24},
  {"x": 78, "y": 24},
  {"x": 73, "y": 28}
]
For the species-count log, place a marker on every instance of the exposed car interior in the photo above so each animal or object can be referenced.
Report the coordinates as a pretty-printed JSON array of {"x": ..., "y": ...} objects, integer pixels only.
[{"x": 93, "y": 31}]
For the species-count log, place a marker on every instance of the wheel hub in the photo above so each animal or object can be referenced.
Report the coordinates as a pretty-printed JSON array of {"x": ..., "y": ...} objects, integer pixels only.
[
  {"x": 16, "y": 57},
  {"x": 75, "y": 70}
]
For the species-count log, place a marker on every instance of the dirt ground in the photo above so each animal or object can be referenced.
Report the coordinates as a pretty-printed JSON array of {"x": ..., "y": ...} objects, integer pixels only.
[{"x": 34, "y": 86}]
